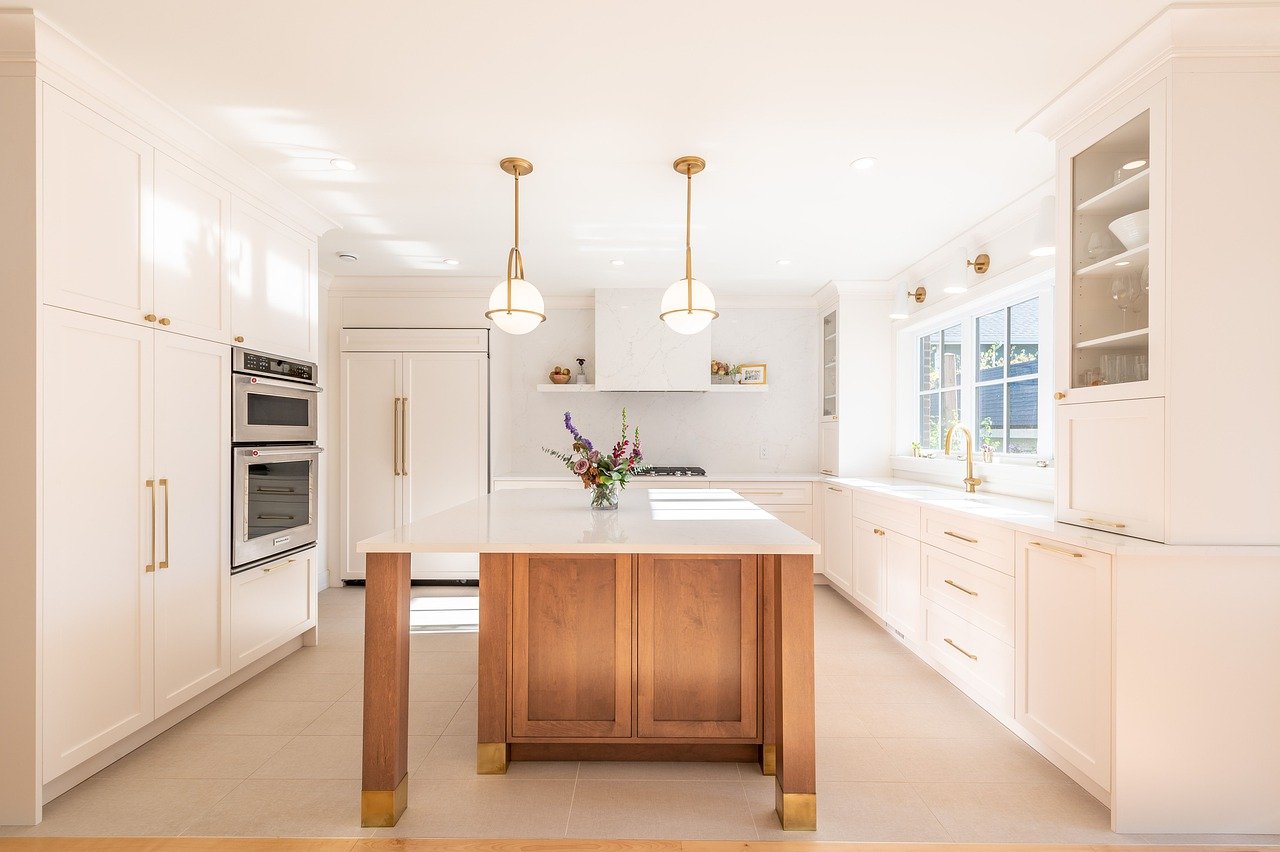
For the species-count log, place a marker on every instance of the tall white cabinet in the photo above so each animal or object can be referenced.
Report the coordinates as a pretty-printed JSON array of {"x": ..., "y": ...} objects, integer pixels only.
[{"x": 415, "y": 436}]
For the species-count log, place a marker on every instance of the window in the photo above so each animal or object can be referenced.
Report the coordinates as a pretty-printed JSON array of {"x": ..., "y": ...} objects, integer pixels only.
[{"x": 983, "y": 372}]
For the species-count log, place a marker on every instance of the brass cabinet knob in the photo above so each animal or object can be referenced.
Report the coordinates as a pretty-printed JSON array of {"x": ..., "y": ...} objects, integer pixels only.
[
  {"x": 1059, "y": 395},
  {"x": 165, "y": 320},
  {"x": 239, "y": 339},
  {"x": 150, "y": 317}
]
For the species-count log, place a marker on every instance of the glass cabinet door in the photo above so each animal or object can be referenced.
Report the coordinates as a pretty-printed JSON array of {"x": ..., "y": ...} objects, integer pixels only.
[
  {"x": 830, "y": 371},
  {"x": 1111, "y": 258}
]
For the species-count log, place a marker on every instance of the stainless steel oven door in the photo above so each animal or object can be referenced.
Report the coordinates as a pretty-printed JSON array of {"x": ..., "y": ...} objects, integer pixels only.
[
  {"x": 274, "y": 501},
  {"x": 270, "y": 410}
]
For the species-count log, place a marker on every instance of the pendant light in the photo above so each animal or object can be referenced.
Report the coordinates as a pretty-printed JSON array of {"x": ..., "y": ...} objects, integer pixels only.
[
  {"x": 688, "y": 306},
  {"x": 515, "y": 305}
]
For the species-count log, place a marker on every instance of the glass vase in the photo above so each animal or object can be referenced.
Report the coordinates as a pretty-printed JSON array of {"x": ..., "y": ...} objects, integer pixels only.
[{"x": 605, "y": 496}]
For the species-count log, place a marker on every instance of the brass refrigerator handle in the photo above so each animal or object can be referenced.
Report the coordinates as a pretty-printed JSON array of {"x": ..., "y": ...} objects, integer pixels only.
[
  {"x": 395, "y": 438},
  {"x": 165, "y": 562},
  {"x": 404, "y": 439},
  {"x": 151, "y": 486}
]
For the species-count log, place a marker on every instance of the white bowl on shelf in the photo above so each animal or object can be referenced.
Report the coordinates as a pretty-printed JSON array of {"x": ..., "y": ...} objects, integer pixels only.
[{"x": 1133, "y": 230}]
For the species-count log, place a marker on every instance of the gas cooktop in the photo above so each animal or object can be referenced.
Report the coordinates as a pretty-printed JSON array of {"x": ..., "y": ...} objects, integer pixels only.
[{"x": 673, "y": 471}]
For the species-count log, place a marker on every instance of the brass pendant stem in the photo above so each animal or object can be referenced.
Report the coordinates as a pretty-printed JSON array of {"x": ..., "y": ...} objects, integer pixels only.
[{"x": 688, "y": 239}]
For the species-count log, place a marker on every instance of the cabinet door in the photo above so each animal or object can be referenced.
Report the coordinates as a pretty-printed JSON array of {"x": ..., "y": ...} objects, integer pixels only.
[
  {"x": 193, "y": 478},
  {"x": 446, "y": 446},
  {"x": 902, "y": 604},
  {"x": 837, "y": 536},
  {"x": 371, "y": 484},
  {"x": 869, "y": 565},
  {"x": 192, "y": 286},
  {"x": 274, "y": 297},
  {"x": 830, "y": 460},
  {"x": 271, "y": 604},
  {"x": 96, "y": 192},
  {"x": 571, "y": 645},
  {"x": 1063, "y": 651},
  {"x": 697, "y": 619},
  {"x": 99, "y": 548},
  {"x": 1111, "y": 466}
]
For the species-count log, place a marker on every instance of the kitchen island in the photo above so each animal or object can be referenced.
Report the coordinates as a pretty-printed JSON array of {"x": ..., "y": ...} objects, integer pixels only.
[{"x": 677, "y": 627}]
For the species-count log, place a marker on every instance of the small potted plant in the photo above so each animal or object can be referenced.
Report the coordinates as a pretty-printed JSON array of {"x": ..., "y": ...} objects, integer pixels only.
[
  {"x": 603, "y": 473},
  {"x": 724, "y": 373},
  {"x": 915, "y": 449},
  {"x": 988, "y": 453}
]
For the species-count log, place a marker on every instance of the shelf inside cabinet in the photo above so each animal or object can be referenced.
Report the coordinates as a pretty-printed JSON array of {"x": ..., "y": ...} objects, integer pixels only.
[
  {"x": 1136, "y": 339},
  {"x": 1128, "y": 196},
  {"x": 1133, "y": 259}
]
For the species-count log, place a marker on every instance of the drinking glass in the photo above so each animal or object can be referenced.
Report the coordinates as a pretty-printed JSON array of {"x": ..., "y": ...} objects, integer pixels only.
[{"x": 1124, "y": 291}]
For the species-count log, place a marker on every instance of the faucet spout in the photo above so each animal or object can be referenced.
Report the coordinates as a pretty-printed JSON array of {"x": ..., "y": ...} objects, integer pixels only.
[{"x": 971, "y": 482}]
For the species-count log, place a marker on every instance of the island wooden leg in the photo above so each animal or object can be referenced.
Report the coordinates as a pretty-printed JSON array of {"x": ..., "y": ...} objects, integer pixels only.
[
  {"x": 385, "y": 777},
  {"x": 492, "y": 751},
  {"x": 796, "y": 798},
  {"x": 768, "y": 662}
]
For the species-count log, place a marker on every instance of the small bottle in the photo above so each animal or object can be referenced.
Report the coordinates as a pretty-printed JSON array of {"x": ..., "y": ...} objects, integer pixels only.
[{"x": 582, "y": 371}]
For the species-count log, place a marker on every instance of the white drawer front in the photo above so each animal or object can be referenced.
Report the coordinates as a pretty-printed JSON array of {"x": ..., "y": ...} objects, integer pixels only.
[
  {"x": 797, "y": 517},
  {"x": 982, "y": 542},
  {"x": 982, "y": 663},
  {"x": 887, "y": 513},
  {"x": 770, "y": 493},
  {"x": 270, "y": 605},
  {"x": 980, "y": 595}
]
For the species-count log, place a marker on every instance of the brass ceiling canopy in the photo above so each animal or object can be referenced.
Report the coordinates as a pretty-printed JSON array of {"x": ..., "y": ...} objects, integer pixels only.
[
  {"x": 980, "y": 264},
  {"x": 689, "y": 165},
  {"x": 516, "y": 166}
]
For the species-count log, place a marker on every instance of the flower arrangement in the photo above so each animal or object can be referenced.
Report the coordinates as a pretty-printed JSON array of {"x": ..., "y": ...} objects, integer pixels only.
[{"x": 604, "y": 473}]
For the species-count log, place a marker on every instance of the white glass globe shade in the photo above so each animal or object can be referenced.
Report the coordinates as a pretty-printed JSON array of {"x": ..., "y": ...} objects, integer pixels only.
[
  {"x": 527, "y": 308},
  {"x": 675, "y": 307}
]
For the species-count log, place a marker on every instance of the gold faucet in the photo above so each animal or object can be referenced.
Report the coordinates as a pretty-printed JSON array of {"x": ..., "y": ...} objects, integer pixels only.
[{"x": 971, "y": 482}]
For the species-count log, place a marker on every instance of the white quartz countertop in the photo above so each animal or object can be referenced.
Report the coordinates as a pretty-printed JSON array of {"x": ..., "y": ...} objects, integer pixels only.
[
  {"x": 653, "y": 520},
  {"x": 710, "y": 477}
]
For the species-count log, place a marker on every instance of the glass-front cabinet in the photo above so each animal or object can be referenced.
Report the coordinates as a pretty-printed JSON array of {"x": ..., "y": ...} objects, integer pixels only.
[
  {"x": 1111, "y": 280},
  {"x": 830, "y": 369}
]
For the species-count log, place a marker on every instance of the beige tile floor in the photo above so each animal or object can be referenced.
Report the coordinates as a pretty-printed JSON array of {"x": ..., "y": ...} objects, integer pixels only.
[{"x": 902, "y": 756}]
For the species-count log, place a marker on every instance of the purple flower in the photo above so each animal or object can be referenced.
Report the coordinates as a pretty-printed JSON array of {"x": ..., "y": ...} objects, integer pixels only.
[
  {"x": 573, "y": 430},
  {"x": 581, "y": 466},
  {"x": 594, "y": 456}
]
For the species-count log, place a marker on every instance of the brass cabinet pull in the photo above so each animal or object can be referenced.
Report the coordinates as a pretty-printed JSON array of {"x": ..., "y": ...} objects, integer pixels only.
[
  {"x": 827, "y": 472},
  {"x": 165, "y": 484},
  {"x": 150, "y": 317},
  {"x": 833, "y": 488},
  {"x": 239, "y": 338},
  {"x": 165, "y": 321},
  {"x": 960, "y": 587},
  {"x": 961, "y": 537},
  {"x": 1095, "y": 521},
  {"x": 151, "y": 486},
  {"x": 973, "y": 657},
  {"x": 395, "y": 437},
  {"x": 1059, "y": 395},
  {"x": 877, "y": 531},
  {"x": 1053, "y": 549},
  {"x": 284, "y": 564},
  {"x": 404, "y": 436}
]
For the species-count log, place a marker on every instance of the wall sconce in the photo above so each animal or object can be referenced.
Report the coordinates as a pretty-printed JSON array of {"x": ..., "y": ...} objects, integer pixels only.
[
  {"x": 980, "y": 264},
  {"x": 1042, "y": 241},
  {"x": 901, "y": 297}
]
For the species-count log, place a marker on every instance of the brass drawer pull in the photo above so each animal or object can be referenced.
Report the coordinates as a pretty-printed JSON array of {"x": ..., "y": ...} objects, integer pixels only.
[
  {"x": 271, "y": 568},
  {"x": 1060, "y": 550},
  {"x": 961, "y": 537},
  {"x": 1096, "y": 522},
  {"x": 827, "y": 472},
  {"x": 973, "y": 657},
  {"x": 877, "y": 531},
  {"x": 833, "y": 488},
  {"x": 961, "y": 588}
]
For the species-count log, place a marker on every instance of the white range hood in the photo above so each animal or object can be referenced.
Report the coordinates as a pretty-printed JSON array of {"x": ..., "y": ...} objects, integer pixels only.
[{"x": 635, "y": 351}]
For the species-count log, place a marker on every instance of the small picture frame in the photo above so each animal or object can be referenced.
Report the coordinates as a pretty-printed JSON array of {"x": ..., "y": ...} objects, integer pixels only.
[{"x": 753, "y": 374}]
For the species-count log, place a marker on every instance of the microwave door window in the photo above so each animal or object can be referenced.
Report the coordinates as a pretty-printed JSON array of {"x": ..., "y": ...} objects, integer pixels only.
[
  {"x": 267, "y": 409},
  {"x": 279, "y": 497}
]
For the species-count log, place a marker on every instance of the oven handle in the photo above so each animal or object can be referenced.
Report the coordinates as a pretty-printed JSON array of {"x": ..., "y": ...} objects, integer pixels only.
[
  {"x": 279, "y": 383},
  {"x": 249, "y": 452}
]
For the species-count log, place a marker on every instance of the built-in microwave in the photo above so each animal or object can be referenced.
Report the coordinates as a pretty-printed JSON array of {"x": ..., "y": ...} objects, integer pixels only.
[
  {"x": 273, "y": 400},
  {"x": 273, "y": 501}
]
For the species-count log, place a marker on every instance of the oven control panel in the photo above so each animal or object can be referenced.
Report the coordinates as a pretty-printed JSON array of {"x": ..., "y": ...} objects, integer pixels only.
[{"x": 261, "y": 364}]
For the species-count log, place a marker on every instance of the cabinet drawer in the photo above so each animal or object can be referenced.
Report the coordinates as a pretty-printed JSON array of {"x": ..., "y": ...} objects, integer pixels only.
[
  {"x": 981, "y": 662},
  {"x": 271, "y": 604},
  {"x": 987, "y": 544},
  {"x": 771, "y": 493},
  {"x": 797, "y": 517},
  {"x": 980, "y": 595},
  {"x": 890, "y": 514}
]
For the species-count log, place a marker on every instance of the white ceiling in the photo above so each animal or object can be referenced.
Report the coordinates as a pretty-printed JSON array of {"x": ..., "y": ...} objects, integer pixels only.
[{"x": 602, "y": 95}]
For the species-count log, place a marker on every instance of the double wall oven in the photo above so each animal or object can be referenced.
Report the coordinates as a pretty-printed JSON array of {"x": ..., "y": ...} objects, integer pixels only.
[{"x": 274, "y": 457}]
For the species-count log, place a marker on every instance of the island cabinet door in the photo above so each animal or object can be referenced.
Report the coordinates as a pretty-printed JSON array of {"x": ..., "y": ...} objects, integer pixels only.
[
  {"x": 698, "y": 655},
  {"x": 571, "y": 645}
]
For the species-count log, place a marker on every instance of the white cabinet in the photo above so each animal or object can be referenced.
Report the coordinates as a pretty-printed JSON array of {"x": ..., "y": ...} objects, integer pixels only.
[
  {"x": 903, "y": 609},
  {"x": 837, "y": 536},
  {"x": 415, "y": 442},
  {"x": 274, "y": 292},
  {"x": 192, "y": 286},
  {"x": 1064, "y": 652},
  {"x": 192, "y": 460},
  {"x": 271, "y": 604},
  {"x": 96, "y": 218},
  {"x": 99, "y": 550},
  {"x": 1111, "y": 466},
  {"x": 829, "y": 460},
  {"x": 868, "y": 565}
]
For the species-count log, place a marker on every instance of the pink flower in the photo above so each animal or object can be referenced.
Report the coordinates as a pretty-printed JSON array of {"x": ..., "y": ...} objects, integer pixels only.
[{"x": 580, "y": 466}]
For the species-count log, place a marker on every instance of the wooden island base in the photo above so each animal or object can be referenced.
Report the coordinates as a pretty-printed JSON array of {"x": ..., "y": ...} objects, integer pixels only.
[{"x": 614, "y": 657}]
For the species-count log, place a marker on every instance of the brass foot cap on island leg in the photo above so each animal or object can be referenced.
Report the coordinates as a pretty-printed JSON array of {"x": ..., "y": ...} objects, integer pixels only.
[
  {"x": 768, "y": 759},
  {"x": 382, "y": 808},
  {"x": 492, "y": 758},
  {"x": 797, "y": 811}
]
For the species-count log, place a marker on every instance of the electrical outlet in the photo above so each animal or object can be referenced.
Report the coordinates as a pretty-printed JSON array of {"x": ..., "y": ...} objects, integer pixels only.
[{"x": 764, "y": 451}]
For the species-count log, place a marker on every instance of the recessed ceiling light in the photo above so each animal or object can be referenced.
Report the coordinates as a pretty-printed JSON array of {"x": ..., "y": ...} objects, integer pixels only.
[
  {"x": 864, "y": 163},
  {"x": 342, "y": 164},
  {"x": 452, "y": 261},
  {"x": 348, "y": 256},
  {"x": 783, "y": 262},
  {"x": 616, "y": 262},
  {"x": 1133, "y": 164}
]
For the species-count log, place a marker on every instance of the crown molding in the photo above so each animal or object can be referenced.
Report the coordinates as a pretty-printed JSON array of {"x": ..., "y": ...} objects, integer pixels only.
[
  {"x": 1181, "y": 30},
  {"x": 17, "y": 43}
]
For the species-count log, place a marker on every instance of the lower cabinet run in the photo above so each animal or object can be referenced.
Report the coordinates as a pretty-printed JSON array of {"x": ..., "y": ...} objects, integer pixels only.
[{"x": 271, "y": 604}]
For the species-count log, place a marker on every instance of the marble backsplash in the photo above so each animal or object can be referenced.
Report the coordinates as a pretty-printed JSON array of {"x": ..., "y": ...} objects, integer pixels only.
[{"x": 722, "y": 432}]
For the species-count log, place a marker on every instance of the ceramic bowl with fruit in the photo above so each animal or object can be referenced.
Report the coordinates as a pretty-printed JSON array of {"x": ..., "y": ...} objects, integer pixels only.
[{"x": 560, "y": 375}]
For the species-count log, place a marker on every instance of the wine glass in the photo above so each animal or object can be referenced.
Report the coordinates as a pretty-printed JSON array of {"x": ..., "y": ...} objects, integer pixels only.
[{"x": 1124, "y": 292}]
